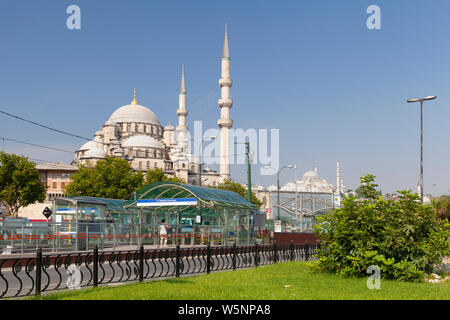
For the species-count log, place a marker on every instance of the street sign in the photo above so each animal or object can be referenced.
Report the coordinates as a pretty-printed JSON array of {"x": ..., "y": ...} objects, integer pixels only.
[
  {"x": 167, "y": 202},
  {"x": 47, "y": 212},
  {"x": 277, "y": 225}
]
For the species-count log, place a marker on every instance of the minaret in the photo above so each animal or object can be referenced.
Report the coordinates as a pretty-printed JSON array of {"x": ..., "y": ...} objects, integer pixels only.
[
  {"x": 182, "y": 111},
  {"x": 225, "y": 104},
  {"x": 338, "y": 180}
]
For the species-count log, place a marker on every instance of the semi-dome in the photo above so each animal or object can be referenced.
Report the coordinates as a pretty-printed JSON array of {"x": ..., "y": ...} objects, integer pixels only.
[
  {"x": 93, "y": 144},
  {"x": 95, "y": 153},
  {"x": 143, "y": 142},
  {"x": 288, "y": 187}
]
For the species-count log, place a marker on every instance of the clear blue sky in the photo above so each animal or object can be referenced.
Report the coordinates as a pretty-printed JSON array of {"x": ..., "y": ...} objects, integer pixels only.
[{"x": 336, "y": 90}]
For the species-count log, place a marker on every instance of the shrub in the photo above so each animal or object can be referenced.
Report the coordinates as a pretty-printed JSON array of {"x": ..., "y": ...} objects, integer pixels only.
[{"x": 403, "y": 238}]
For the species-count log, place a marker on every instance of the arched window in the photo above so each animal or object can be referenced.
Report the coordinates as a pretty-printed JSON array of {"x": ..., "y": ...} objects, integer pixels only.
[
  {"x": 156, "y": 165},
  {"x": 148, "y": 165},
  {"x": 140, "y": 165}
]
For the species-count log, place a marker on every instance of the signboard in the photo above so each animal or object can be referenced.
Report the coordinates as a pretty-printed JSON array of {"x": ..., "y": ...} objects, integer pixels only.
[
  {"x": 337, "y": 201},
  {"x": 167, "y": 202},
  {"x": 277, "y": 225},
  {"x": 73, "y": 210},
  {"x": 47, "y": 212}
]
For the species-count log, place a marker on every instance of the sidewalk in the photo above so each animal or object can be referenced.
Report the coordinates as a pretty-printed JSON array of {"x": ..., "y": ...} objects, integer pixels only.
[{"x": 109, "y": 249}]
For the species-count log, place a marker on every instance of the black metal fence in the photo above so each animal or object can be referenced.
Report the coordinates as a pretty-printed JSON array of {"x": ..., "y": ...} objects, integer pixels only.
[{"x": 34, "y": 274}]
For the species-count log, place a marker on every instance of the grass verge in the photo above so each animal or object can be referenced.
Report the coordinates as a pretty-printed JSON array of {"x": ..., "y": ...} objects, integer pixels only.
[{"x": 282, "y": 281}]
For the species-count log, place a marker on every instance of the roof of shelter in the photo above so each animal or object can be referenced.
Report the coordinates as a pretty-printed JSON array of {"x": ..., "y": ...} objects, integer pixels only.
[
  {"x": 110, "y": 204},
  {"x": 211, "y": 196}
]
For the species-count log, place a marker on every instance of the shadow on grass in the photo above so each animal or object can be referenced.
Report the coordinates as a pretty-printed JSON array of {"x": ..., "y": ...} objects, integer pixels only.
[{"x": 176, "y": 281}]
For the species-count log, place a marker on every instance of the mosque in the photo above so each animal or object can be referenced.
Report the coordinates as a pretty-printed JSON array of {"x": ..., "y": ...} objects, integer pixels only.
[{"x": 133, "y": 132}]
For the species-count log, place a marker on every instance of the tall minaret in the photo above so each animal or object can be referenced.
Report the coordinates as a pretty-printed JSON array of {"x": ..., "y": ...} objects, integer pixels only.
[
  {"x": 338, "y": 180},
  {"x": 182, "y": 111},
  {"x": 225, "y": 104}
]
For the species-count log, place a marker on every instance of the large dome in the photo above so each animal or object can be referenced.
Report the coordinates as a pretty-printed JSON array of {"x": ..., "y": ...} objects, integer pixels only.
[
  {"x": 310, "y": 174},
  {"x": 133, "y": 113},
  {"x": 142, "y": 141}
]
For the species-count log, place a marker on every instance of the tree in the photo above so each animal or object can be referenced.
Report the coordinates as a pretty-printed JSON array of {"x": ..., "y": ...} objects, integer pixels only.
[
  {"x": 239, "y": 188},
  {"x": 367, "y": 189},
  {"x": 20, "y": 183},
  {"x": 403, "y": 238},
  {"x": 110, "y": 178},
  {"x": 442, "y": 207},
  {"x": 157, "y": 175}
]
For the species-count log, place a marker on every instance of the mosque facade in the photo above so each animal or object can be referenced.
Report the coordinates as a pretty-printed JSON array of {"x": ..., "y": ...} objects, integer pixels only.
[{"x": 134, "y": 133}]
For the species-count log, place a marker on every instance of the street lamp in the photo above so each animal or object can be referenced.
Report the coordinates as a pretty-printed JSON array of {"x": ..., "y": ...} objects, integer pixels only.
[
  {"x": 421, "y": 100},
  {"x": 200, "y": 157},
  {"x": 200, "y": 162},
  {"x": 278, "y": 186}
]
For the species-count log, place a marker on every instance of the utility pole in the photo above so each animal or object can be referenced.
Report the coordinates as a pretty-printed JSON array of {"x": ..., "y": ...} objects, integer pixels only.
[
  {"x": 249, "y": 170},
  {"x": 249, "y": 173}
]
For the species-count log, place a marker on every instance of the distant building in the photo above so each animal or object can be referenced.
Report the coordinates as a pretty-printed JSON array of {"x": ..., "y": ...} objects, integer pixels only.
[
  {"x": 55, "y": 176},
  {"x": 310, "y": 183}
]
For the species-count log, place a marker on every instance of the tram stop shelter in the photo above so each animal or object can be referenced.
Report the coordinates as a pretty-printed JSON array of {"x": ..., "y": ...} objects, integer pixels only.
[{"x": 195, "y": 214}]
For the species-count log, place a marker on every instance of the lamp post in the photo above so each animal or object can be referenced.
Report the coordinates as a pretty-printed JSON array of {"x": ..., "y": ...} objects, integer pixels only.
[
  {"x": 421, "y": 100},
  {"x": 249, "y": 171},
  {"x": 200, "y": 157},
  {"x": 278, "y": 189},
  {"x": 200, "y": 163}
]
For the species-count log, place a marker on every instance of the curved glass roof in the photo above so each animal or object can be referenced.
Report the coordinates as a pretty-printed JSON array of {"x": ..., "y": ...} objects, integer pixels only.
[{"x": 209, "y": 196}]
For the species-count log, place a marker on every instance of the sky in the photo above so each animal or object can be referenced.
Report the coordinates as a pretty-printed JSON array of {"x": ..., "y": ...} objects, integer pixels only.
[{"x": 311, "y": 68}]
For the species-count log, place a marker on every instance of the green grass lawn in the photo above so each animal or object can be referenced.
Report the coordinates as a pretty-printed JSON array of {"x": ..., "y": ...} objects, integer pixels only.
[{"x": 283, "y": 281}]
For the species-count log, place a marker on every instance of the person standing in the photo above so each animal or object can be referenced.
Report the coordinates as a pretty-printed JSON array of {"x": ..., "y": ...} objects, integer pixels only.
[{"x": 163, "y": 233}]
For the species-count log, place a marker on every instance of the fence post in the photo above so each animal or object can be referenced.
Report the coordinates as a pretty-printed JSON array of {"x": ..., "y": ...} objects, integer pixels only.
[
  {"x": 38, "y": 272},
  {"x": 208, "y": 258},
  {"x": 292, "y": 250},
  {"x": 95, "y": 267},
  {"x": 234, "y": 255},
  {"x": 256, "y": 255},
  {"x": 306, "y": 250},
  {"x": 274, "y": 251},
  {"x": 141, "y": 263},
  {"x": 177, "y": 261}
]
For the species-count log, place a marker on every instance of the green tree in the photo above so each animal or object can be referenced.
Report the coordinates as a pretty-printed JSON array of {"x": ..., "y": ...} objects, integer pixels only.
[
  {"x": 239, "y": 188},
  {"x": 20, "y": 183},
  {"x": 110, "y": 178},
  {"x": 157, "y": 175},
  {"x": 442, "y": 207},
  {"x": 403, "y": 238},
  {"x": 367, "y": 189}
]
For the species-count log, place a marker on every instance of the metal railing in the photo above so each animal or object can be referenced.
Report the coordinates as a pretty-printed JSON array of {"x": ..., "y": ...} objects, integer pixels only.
[
  {"x": 37, "y": 273},
  {"x": 63, "y": 237}
]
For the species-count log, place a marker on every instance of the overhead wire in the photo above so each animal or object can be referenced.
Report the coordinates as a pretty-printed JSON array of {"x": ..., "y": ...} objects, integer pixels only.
[
  {"x": 36, "y": 145},
  {"x": 44, "y": 126}
]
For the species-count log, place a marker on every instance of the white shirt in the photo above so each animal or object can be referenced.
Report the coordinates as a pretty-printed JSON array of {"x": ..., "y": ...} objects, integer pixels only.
[{"x": 162, "y": 229}]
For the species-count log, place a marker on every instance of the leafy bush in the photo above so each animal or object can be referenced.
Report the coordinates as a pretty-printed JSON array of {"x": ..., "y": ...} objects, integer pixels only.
[{"x": 403, "y": 238}]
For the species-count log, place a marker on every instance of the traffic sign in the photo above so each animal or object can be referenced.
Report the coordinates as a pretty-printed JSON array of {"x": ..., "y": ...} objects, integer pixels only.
[{"x": 47, "y": 212}]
